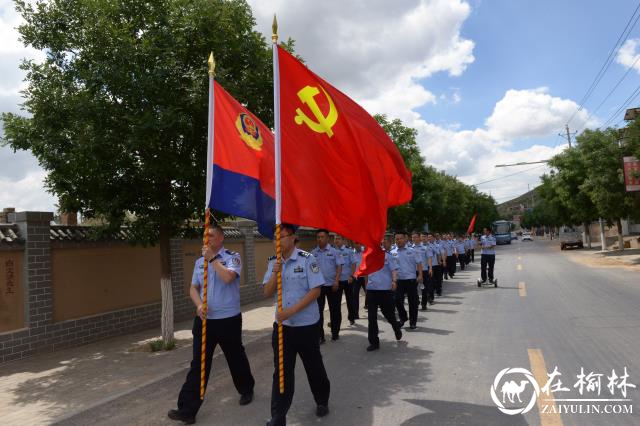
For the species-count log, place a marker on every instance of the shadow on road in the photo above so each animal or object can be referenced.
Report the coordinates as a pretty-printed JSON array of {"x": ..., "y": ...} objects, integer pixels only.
[{"x": 457, "y": 413}]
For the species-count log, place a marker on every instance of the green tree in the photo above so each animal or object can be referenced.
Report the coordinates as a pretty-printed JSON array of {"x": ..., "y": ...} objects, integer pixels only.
[
  {"x": 118, "y": 109},
  {"x": 566, "y": 189},
  {"x": 604, "y": 183}
]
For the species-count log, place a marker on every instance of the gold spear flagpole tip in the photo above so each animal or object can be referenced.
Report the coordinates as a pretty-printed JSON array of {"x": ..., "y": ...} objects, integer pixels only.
[
  {"x": 274, "y": 28},
  {"x": 212, "y": 65}
]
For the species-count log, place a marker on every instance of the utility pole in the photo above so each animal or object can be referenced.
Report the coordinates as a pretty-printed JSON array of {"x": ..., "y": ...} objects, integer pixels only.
[{"x": 568, "y": 135}]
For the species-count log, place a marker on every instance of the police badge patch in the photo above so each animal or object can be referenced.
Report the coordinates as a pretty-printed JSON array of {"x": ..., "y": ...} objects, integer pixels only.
[
  {"x": 249, "y": 131},
  {"x": 315, "y": 268},
  {"x": 235, "y": 261}
]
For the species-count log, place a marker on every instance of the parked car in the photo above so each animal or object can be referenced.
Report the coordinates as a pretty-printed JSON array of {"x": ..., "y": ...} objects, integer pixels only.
[
  {"x": 526, "y": 236},
  {"x": 514, "y": 236},
  {"x": 569, "y": 237}
]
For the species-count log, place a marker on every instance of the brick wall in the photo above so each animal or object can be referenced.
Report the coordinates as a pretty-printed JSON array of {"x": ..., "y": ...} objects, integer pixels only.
[{"x": 43, "y": 334}]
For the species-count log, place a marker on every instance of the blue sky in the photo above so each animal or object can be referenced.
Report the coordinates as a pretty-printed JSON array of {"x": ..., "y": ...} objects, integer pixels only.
[{"x": 483, "y": 82}]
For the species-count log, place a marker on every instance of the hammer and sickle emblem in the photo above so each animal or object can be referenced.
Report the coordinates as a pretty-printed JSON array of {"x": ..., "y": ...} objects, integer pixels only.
[{"x": 323, "y": 124}]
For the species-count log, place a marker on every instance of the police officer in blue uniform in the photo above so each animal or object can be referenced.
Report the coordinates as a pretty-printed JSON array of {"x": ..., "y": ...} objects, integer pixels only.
[
  {"x": 472, "y": 247},
  {"x": 408, "y": 260},
  {"x": 449, "y": 246},
  {"x": 330, "y": 263},
  {"x": 417, "y": 245},
  {"x": 380, "y": 287},
  {"x": 461, "y": 250},
  {"x": 346, "y": 278},
  {"x": 435, "y": 272},
  {"x": 301, "y": 284},
  {"x": 359, "y": 282},
  {"x": 224, "y": 325},
  {"x": 488, "y": 256}
]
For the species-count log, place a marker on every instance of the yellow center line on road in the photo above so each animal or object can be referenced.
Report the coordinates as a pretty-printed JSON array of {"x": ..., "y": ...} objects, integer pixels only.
[
  {"x": 522, "y": 289},
  {"x": 519, "y": 268},
  {"x": 550, "y": 416}
]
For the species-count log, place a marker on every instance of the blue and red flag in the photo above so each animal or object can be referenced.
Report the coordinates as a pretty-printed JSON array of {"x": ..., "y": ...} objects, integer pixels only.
[{"x": 242, "y": 165}]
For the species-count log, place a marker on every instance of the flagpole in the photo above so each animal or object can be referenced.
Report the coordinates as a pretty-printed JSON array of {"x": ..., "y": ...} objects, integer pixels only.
[
  {"x": 207, "y": 218},
  {"x": 276, "y": 125}
]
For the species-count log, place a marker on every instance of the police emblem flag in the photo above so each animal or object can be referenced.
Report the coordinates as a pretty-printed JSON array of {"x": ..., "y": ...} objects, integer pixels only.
[{"x": 341, "y": 171}]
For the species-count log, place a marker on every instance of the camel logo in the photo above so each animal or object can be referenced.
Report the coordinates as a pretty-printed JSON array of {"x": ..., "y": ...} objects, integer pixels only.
[
  {"x": 512, "y": 390},
  {"x": 323, "y": 124}
]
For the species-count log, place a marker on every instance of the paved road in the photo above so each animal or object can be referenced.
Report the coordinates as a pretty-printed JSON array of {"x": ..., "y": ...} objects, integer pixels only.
[{"x": 548, "y": 311}]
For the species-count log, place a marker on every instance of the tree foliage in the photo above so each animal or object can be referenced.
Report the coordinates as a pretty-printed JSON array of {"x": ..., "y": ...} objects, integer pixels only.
[{"x": 118, "y": 109}]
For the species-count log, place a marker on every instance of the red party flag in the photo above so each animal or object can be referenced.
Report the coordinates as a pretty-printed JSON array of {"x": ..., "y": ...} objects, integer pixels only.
[{"x": 339, "y": 168}]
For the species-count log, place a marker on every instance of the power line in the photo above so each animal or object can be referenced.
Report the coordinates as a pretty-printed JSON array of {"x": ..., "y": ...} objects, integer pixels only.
[
  {"x": 506, "y": 176},
  {"x": 612, "y": 90},
  {"x": 608, "y": 61},
  {"x": 626, "y": 103}
]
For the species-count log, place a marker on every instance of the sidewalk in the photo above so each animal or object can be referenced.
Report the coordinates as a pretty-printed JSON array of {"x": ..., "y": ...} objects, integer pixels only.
[
  {"x": 49, "y": 387},
  {"x": 593, "y": 257}
]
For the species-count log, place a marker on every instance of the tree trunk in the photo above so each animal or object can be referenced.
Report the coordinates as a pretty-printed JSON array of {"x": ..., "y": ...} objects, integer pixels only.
[
  {"x": 620, "y": 237},
  {"x": 165, "y": 287},
  {"x": 587, "y": 233}
]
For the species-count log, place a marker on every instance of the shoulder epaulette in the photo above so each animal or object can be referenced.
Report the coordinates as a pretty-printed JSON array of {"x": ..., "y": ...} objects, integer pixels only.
[
  {"x": 271, "y": 258},
  {"x": 233, "y": 253},
  {"x": 304, "y": 253}
]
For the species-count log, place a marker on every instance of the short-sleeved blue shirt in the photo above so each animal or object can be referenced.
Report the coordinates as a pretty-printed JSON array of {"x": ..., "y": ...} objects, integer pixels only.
[
  {"x": 328, "y": 258},
  {"x": 223, "y": 300},
  {"x": 408, "y": 260},
  {"x": 488, "y": 243},
  {"x": 347, "y": 257},
  {"x": 300, "y": 274},
  {"x": 356, "y": 256},
  {"x": 381, "y": 279}
]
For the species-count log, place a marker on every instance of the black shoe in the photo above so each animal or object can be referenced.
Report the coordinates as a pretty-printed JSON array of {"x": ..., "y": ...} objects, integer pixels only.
[
  {"x": 334, "y": 338},
  {"x": 352, "y": 322},
  {"x": 431, "y": 302},
  {"x": 413, "y": 327},
  {"x": 402, "y": 323},
  {"x": 246, "y": 398},
  {"x": 398, "y": 332},
  {"x": 177, "y": 415},
  {"x": 424, "y": 308},
  {"x": 322, "y": 340},
  {"x": 372, "y": 348},
  {"x": 322, "y": 410}
]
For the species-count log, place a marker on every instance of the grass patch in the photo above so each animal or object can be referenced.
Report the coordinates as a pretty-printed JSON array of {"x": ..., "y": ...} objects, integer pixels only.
[{"x": 158, "y": 345}]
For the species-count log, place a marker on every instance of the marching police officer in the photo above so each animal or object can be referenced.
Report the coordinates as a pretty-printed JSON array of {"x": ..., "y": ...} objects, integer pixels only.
[
  {"x": 435, "y": 272},
  {"x": 449, "y": 246},
  {"x": 224, "y": 325},
  {"x": 301, "y": 283},
  {"x": 416, "y": 244},
  {"x": 330, "y": 263},
  {"x": 461, "y": 249},
  {"x": 488, "y": 256},
  {"x": 408, "y": 260},
  {"x": 360, "y": 281},
  {"x": 346, "y": 278},
  {"x": 472, "y": 247},
  {"x": 380, "y": 287}
]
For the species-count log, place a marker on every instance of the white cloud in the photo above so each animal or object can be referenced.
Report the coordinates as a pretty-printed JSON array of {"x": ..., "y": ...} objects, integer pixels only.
[
  {"x": 375, "y": 51},
  {"x": 26, "y": 193},
  {"x": 533, "y": 113},
  {"x": 628, "y": 54}
]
